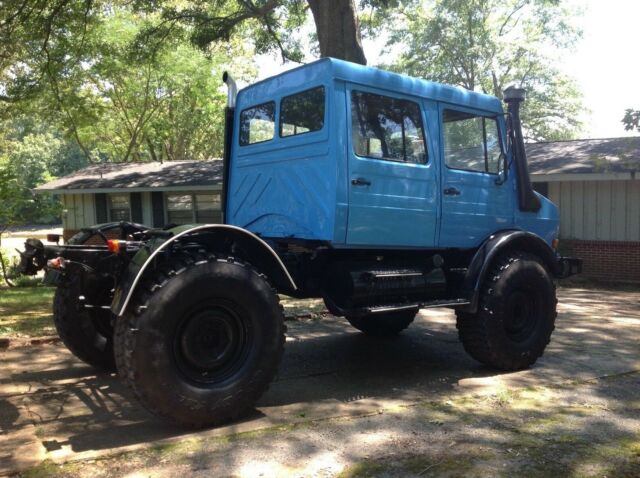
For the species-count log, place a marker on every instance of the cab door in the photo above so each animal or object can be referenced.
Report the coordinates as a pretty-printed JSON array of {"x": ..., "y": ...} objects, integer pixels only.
[
  {"x": 476, "y": 202},
  {"x": 392, "y": 177}
]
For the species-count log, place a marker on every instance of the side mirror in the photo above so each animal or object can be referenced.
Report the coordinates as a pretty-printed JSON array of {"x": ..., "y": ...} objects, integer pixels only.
[{"x": 502, "y": 172}]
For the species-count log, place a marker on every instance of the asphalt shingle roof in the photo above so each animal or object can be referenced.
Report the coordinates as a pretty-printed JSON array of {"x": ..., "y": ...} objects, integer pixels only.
[
  {"x": 140, "y": 176},
  {"x": 611, "y": 155}
]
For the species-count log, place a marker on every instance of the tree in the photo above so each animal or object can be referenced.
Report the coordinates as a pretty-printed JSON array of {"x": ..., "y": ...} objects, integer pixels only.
[
  {"x": 631, "y": 120},
  {"x": 486, "y": 45},
  {"x": 270, "y": 23},
  {"x": 155, "y": 101}
]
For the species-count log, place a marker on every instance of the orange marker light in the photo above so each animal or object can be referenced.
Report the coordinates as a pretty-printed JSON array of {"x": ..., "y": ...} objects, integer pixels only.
[
  {"x": 555, "y": 243},
  {"x": 113, "y": 245}
]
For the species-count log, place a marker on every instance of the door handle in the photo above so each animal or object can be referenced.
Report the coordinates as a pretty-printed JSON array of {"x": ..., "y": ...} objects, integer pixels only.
[
  {"x": 452, "y": 191},
  {"x": 361, "y": 182}
]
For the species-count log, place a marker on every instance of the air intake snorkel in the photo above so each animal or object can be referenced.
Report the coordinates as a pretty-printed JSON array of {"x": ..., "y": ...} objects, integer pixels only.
[
  {"x": 527, "y": 199},
  {"x": 232, "y": 92},
  {"x": 232, "y": 89}
]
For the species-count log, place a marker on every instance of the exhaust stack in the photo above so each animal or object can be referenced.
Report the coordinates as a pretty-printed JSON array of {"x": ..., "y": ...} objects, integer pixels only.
[
  {"x": 232, "y": 89},
  {"x": 527, "y": 199}
]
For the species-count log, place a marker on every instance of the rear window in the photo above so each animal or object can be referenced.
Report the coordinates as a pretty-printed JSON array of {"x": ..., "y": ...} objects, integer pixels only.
[
  {"x": 302, "y": 113},
  {"x": 257, "y": 124}
]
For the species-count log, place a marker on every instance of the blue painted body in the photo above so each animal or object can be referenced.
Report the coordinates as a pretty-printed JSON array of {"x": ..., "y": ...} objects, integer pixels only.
[{"x": 300, "y": 186}]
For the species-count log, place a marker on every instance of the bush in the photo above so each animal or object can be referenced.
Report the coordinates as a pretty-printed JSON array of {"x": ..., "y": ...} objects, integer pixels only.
[{"x": 13, "y": 272}]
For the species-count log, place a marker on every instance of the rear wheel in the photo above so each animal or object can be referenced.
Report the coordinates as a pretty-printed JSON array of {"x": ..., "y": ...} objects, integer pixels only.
[
  {"x": 384, "y": 324},
  {"x": 87, "y": 333},
  {"x": 202, "y": 343},
  {"x": 516, "y": 316}
]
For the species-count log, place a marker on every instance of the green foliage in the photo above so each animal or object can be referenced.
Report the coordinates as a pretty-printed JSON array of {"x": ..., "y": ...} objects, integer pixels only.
[
  {"x": 488, "y": 45},
  {"x": 28, "y": 156},
  {"x": 631, "y": 120},
  {"x": 124, "y": 84}
]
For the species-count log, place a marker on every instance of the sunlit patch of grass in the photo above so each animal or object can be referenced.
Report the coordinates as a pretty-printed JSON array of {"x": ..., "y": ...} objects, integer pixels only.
[{"x": 26, "y": 311}]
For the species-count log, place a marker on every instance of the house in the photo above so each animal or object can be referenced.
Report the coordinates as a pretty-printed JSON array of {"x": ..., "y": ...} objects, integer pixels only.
[
  {"x": 155, "y": 194},
  {"x": 595, "y": 182},
  {"x": 596, "y": 185}
]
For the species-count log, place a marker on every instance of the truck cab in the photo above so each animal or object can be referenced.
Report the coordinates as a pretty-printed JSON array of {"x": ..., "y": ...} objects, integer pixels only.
[{"x": 363, "y": 158}]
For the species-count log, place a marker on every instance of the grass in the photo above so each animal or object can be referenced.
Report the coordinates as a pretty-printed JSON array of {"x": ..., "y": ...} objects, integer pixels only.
[{"x": 26, "y": 311}]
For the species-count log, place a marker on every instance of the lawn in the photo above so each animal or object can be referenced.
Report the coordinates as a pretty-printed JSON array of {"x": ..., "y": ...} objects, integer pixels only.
[{"x": 26, "y": 311}]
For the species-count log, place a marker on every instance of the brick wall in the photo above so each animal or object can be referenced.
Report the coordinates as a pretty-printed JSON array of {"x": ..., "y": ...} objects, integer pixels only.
[{"x": 607, "y": 260}]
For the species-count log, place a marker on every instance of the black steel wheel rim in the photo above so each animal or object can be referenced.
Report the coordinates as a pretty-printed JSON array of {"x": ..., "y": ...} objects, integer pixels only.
[
  {"x": 211, "y": 344},
  {"x": 523, "y": 312}
]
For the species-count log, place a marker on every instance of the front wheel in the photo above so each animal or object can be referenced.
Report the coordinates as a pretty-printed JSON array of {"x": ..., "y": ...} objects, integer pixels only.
[
  {"x": 202, "y": 343},
  {"x": 516, "y": 315}
]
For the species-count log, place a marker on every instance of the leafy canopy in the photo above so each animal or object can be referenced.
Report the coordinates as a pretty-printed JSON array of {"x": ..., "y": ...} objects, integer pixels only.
[{"x": 486, "y": 45}]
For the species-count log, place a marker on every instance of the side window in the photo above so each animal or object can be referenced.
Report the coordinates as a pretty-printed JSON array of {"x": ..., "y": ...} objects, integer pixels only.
[
  {"x": 302, "y": 113},
  {"x": 257, "y": 124},
  {"x": 471, "y": 142},
  {"x": 387, "y": 128}
]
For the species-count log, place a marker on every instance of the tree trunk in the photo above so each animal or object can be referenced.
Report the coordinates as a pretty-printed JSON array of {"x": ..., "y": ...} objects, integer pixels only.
[{"x": 338, "y": 29}]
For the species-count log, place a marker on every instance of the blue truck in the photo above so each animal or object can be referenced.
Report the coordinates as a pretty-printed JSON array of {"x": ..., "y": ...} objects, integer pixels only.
[{"x": 380, "y": 193}]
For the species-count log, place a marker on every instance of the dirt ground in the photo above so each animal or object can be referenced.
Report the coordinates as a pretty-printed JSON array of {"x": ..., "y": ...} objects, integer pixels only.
[{"x": 349, "y": 405}]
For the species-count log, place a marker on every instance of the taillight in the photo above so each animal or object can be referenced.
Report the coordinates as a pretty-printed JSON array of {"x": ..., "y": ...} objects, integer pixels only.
[
  {"x": 56, "y": 263},
  {"x": 113, "y": 245},
  {"x": 53, "y": 238}
]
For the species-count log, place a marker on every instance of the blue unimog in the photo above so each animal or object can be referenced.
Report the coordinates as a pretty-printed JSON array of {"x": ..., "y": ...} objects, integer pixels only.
[{"x": 379, "y": 193}]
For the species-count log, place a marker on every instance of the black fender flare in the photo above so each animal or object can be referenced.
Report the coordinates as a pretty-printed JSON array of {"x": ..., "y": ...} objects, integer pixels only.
[
  {"x": 262, "y": 256},
  {"x": 492, "y": 247}
]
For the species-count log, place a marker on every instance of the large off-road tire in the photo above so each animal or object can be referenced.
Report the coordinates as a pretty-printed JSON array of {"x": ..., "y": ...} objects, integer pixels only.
[
  {"x": 201, "y": 341},
  {"x": 87, "y": 333},
  {"x": 384, "y": 324},
  {"x": 516, "y": 316}
]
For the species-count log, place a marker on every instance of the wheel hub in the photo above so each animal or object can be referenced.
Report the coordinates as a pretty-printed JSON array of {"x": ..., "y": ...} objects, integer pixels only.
[
  {"x": 209, "y": 345},
  {"x": 522, "y": 315}
]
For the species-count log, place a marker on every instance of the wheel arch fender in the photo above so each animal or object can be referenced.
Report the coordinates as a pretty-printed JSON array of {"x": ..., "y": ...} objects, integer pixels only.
[
  {"x": 239, "y": 242},
  {"x": 492, "y": 247}
]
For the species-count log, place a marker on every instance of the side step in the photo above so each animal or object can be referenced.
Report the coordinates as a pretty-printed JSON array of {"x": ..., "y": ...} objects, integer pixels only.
[
  {"x": 382, "y": 309},
  {"x": 432, "y": 304}
]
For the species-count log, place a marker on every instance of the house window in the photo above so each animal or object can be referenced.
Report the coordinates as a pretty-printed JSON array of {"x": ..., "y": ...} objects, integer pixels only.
[
  {"x": 179, "y": 208},
  {"x": 193, "y": 208},
  {"x": 542, "y": 188},
  {"x": 119, "y": 207},
  {"x": 302, "y": 113},
  {"x": 207, "y": 208},
  {"x": 387, "y": 128},
  {"x": 471, "y": 142},
  {"x": 257, "y": 124}
]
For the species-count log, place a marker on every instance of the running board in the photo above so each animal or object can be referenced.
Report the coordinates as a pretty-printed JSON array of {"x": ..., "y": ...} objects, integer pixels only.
[
  {"x": 421, "y": 305},
  {"x": 364, "y": 311}
]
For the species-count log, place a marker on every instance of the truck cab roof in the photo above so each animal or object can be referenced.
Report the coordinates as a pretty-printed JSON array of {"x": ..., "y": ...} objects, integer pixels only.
[{"x": 327, "y": 69}]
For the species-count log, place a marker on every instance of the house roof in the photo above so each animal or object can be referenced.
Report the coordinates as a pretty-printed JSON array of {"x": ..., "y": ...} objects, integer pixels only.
[
  {"x": 170, "y": 175},
  {"x": 585, "y": 156},
  {"x": 566, "y": 158}
]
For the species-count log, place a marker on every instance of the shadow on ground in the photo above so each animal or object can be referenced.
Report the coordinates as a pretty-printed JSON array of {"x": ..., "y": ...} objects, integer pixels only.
[{"x": 53, "y": 406}]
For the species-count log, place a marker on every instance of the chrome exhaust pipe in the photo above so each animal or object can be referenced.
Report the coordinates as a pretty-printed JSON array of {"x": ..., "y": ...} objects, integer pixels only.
[{"x": 232, "y": 89}]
